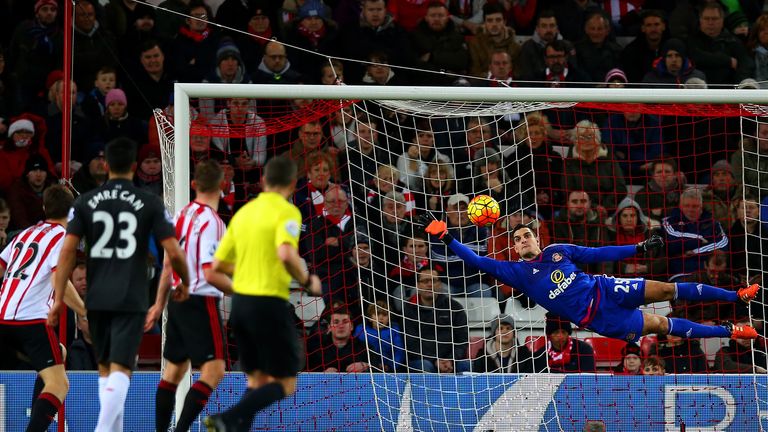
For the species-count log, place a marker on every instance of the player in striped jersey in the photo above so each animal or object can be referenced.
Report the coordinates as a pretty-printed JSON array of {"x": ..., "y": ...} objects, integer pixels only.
[
  {"x": 194, "y": 332},
  {"x": 26, "y": 296}
]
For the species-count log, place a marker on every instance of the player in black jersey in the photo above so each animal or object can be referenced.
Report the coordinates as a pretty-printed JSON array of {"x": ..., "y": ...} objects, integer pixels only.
[{"x": 116, "y": 221}]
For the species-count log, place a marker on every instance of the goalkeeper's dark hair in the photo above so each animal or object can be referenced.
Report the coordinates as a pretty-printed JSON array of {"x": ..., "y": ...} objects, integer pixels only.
[
  {"x": 120, "y": 154},
  {"x": 518, "y": 227},
  {"x": 280, "y": 171},
  {"x": 208, "y": 176}
]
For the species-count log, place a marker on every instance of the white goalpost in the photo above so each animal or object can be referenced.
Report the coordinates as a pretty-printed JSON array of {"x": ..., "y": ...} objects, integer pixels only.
[{"x": 404, "y": 397}]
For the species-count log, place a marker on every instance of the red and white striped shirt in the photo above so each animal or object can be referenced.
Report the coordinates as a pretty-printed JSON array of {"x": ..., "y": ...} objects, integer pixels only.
[
  {"x": 29, "y": 261},
  {"x": 199, "y": 230}
]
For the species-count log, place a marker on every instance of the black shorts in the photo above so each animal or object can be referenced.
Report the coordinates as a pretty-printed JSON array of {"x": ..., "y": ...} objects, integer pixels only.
[
  {"x": 266, "y": 335},
  {"x": 35, "y": 340},
  {"x": 194, "y": 331},
  {"x": 116, "y": 336}
]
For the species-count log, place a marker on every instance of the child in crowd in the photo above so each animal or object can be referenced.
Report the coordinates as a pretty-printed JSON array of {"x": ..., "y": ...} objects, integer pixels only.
[{"x": 385, "y": 341}]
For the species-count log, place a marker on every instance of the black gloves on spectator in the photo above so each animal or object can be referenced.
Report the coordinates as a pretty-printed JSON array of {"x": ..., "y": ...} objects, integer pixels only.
[{"x": 653, "y": 243}]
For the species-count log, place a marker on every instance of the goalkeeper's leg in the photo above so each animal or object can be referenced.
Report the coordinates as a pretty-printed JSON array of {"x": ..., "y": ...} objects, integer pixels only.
[
  {"x": 659, "y": 291},
  {"x": 684, "y": 328}
]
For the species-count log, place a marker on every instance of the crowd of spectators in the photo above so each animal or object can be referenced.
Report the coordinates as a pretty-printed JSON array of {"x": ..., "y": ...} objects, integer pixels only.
[{"x": 600, "y": 178}]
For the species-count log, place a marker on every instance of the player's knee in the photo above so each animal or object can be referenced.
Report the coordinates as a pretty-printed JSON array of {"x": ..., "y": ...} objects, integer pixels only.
[
  {"x": 662, "y": 325},
  {"x": 213, "y": 372}
]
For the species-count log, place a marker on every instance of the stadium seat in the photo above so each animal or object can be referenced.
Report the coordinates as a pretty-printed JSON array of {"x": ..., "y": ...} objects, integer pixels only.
[
  {"x": 307, "y": 308},
  {"x": 150, "y": 354},
  {"x": 475, "y": 345},
  {"x": 480, "y": 311},
  {"x": 535, "y": 343},
  {"x": 524, "y": 317},
  {"x": 607, "y": 350}
]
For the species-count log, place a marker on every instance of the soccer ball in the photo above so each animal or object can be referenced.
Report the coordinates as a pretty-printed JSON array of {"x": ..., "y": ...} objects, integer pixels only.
[{"x": 483, "y": 210}]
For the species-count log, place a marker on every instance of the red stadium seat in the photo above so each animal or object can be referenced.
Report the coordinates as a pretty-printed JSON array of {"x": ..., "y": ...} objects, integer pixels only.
[
  {"x": 150, "y": 352},
  {"x": 475, "y": 345},
  {"x": 535, "y": 343},
  {"x": 607, "y": 350}
]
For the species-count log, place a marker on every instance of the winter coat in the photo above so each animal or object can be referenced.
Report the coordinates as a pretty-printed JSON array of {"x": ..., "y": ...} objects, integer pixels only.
[
  {"x": 659, "y": 73},
  {"x": 582, "y": 358},
  {"x": 482, "y": 46},
  {"x": 436, "y": 332},
  {"x": 689, "y": 243},
  {"x": 386, "y": 347},
  {"x": 633, "y": 144},
  {"x": 521, "y": 360},
  {"x": 448, "y": 50},
  {"x": 602, "y": 179},
  {"x": 713, "y": 57}
]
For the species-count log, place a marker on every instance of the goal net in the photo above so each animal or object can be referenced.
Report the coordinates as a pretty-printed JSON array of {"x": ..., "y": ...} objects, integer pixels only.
[{"x": 411, "y": 338}]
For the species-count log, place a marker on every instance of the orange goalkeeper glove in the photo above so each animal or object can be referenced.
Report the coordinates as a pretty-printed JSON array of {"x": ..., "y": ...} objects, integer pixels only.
[{"x": 436, "y": 227}]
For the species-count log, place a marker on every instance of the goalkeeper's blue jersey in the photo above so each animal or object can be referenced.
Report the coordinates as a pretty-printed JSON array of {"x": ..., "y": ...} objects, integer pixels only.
[{"x": 553, "y": 279}]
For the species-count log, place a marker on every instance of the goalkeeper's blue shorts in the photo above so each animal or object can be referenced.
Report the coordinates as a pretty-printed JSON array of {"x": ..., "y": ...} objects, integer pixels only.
[{"x": 616, "y": 312}]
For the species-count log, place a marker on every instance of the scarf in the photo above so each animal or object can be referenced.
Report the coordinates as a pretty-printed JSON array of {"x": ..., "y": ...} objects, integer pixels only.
[
  {"x": 559, "y": 77},
  {"x": 408, "y": 268},
  {"x": 340, "y": 222},
  {"x": 559, "y": 358},
  {"x": 195, "y": 36},
  {"x": 229, "y": 196},
  {"x": 316, "y": 195},
  {"x": 147, "y": 178},
  {"x": 263, "y": 37},
  {"x": 313, "y": 37}
]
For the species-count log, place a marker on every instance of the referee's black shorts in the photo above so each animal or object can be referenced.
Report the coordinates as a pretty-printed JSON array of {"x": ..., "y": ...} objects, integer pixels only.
[
  {"x": 266, "y": 335},
  {"x": 35, "y": 340},
  {"x": 116, "y": 336},
  {"x": 194, "y": 331}
]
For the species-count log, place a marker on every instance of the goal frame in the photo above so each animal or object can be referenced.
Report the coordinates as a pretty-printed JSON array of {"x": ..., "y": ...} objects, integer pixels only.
[{"x": 184, "y": 91}]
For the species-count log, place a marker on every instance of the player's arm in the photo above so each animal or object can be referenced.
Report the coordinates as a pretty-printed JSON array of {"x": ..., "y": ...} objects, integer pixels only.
[
  {"x": 296, "y": 267},
  {"x": 220, "y": 280},
  {"x": 589, "y": 255},
  {"x": 64, "y": 269},
  {"x": 161, "y": 299},
  {"x": 178, "y": 261}
]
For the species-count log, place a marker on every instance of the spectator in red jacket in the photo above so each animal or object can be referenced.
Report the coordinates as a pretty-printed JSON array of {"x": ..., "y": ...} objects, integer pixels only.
[{"x": 22, "y": 142}]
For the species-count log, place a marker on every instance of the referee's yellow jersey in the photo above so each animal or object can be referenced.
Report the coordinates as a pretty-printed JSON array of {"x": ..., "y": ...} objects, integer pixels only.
[{"x": 251, "y": 242}]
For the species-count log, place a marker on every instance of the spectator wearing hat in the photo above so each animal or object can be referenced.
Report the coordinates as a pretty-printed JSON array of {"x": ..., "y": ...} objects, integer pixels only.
[
  {"x": 438, "y": 43},
  {"x": 291, "y": 9},
  {"x": 259, "y": 31},
  {"x": 631, "y": 360},
  {"x": 237, "y": 14},
  {"x": 25, "y": 197},
  {"x": 315, "y": 33},
  {"x": 638, "y": 56},
  {"x": 195, "y": 47},
  {"x": 615, "y": 78},
  {"x": 722, "y": 190},
  {"x": 563, "y": 352},
  {"x": 720, "y": 55},
  {"x": 673, "y": 65},
  {"x": 149, "y": 169},
  {"x": 92, "y": 174},
  {"x": 36, "y": 50},
  {"x": 461, "y": 278},
  {"x": 596, "y": 53},
  {"x": 629, "y": 225},
  {"x": 93, "y": 45},
  {"x": 151, "y": 83},
  {"x": 502, "y": 353},
  {"x": 229, "y": 67},
  {"x": 22, "y": 143},
  {"x": 118, "y": 122}
]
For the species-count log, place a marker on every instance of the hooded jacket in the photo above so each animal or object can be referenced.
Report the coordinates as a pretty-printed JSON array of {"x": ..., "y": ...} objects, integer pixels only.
[{"x": 659, "y": 73}]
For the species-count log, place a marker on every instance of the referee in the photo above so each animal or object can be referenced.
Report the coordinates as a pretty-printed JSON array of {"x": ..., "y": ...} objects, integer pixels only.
[{"x": 260, "y": 251}]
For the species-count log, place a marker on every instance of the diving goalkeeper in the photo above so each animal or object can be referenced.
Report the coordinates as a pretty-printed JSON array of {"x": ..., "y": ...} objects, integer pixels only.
[{"x": 604, "y": 304}]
